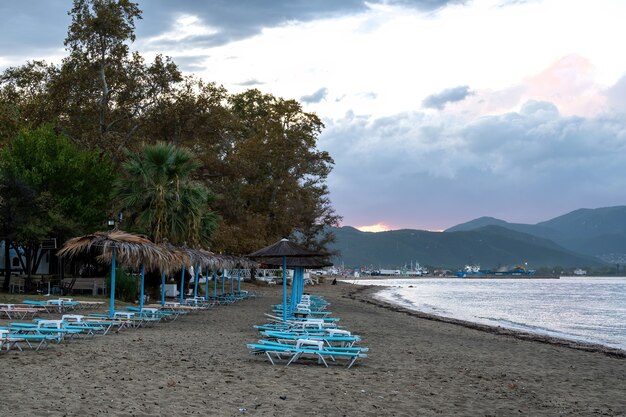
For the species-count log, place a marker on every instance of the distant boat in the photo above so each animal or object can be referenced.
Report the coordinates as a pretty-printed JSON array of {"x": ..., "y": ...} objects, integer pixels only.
[{"x": 474, "y": 271}]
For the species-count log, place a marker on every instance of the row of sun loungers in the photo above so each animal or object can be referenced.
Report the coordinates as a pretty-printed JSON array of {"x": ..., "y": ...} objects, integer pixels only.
[
  {"x": 30, "y": 308},
  {"x": 310, "y": 332},
  {"x": 38, "y": 333}
]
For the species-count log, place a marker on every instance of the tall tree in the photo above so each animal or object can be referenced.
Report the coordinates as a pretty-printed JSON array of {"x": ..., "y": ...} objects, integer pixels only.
[
  {"x": 276, "y": 186},
  {"x": 162, "y": 200},
  {"x": 117, "y": 86},
  {"x": 257, "y": 152},
  {"x": 17, "y": 203},
  {"x": 51, "y": 188}
]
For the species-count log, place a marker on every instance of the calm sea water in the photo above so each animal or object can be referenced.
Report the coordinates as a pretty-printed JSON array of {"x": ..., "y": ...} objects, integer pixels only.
[{"x": 585, "y": 309}]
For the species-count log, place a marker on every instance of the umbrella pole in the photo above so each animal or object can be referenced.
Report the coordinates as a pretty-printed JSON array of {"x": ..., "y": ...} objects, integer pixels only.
[
  {"x": 292, "y": 299},
  {"x": 206, "y": 286},
  {"x": 239, "y": 282},
  {"x": 112, "y": 299},
  {"x": 296, "y": 287},
  {"x": 285, "y": 289},
  {"x": 195, "y": 282},
  {"x": 182, "y": 285},
  {"x": 141, "y": 285},
  {"x": 214, "y": 284},
  {"x": 223, "y": 278},
  {"x": 301, "y": 285},
  {"x": 162, "y": 288}
]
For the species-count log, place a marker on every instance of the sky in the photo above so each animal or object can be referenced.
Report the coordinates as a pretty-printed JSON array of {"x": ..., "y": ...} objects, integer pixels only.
[{"x": 436, "y": 112}]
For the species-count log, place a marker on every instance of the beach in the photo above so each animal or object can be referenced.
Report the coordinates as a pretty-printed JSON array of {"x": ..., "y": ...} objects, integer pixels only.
[{"x": 417, "y": 366}]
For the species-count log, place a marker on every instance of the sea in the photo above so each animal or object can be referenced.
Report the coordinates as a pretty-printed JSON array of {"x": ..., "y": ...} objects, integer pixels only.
[{"x": 582, "y": 309}]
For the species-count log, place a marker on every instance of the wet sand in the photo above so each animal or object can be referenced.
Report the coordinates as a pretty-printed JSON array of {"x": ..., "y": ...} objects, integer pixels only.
[{"x": 199, "y": 365}]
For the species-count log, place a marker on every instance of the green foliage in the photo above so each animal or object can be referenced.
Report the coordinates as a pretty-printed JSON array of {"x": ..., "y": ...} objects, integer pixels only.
[
  {"x": 162, "y": 200},
  {"x": 73, "y": 185},
  {"x": 126, "y": 285},
  {"x": 257, "y": 152},
  {"x": 276, "y": 181}
]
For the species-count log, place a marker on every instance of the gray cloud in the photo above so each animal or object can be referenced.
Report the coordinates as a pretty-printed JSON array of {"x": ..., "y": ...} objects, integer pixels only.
[
  {"x": 438, "y": 101},
  {"x": 316, "y": 97},
  {"x": 33, "y": 25},
  {"x": 31, "y": 28},
  {"x": 250, "y": 83},
  {"x": 237, "y": 19},
  {"x": 524, "y": 166},
  {"x": 191, "y": 63}
]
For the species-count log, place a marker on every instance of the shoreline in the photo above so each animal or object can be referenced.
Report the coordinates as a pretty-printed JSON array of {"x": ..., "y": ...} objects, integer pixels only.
[
  {"x": 366, "y": 294},
  {"x": 199, "y": 365}
]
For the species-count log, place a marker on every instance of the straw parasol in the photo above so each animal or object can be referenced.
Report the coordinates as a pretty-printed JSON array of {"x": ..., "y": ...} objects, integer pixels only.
[
  {"x": 299, "y": 264},
  {"x": 117, "y": 246},
  {"x": 308, "y": 262},
  {"x": 284, "y": 249}
]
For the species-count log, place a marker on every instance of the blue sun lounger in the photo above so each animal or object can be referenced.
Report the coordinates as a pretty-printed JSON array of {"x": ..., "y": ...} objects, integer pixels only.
[
  {"x": 294, "y": 352},
  {"x": 34, "y": 340},
  {"x": 328, "y": 339}
]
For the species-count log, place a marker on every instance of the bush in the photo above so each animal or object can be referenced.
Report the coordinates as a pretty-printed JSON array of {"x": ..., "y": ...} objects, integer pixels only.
[{"x": 125, "y": 285}]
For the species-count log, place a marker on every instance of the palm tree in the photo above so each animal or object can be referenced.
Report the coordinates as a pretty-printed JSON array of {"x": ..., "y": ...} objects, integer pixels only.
[{"x": 160, "y": 198}]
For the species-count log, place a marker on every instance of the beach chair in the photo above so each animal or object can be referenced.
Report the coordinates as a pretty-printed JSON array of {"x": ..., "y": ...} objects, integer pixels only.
[
  {"x": 292, "y": 353},
  {"x": 7, "y": 340},
  {"x": 77, "y": 321},
  {"x": 331, "y": 340},
  {"x": 12, "y": 311},
  {"x": 33, "y": 340}
]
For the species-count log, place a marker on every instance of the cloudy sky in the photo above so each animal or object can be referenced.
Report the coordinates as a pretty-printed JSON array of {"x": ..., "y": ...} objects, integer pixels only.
[{"x": 436, "y": 111}]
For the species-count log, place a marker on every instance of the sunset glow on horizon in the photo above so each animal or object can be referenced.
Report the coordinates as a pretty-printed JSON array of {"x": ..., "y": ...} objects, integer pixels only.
[{"x": 375, "y": 228}]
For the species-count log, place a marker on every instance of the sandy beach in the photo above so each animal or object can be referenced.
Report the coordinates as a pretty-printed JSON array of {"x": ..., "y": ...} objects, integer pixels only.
[{"x": 199, "y": 365}]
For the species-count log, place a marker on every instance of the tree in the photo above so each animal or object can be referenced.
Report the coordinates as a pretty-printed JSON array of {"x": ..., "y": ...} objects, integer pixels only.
[
  {"x": 100, "y": 93},
  {"x": 17, "y": 201},
  {"x": 160, "y": 198},
  {"x": 276, "y": 184},
  {"x": 124, "y": 87},
  {"x": 51, "y": 188},
  {"x": 257, "y": 152}
]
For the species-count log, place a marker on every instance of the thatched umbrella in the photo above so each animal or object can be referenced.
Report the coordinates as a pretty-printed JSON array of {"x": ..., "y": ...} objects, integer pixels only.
[
  {"x": 243, "y": 263},
  {"x": 308, "y": 262},
  {"x": 117, "y": 246},
  {"x": 168, "y": 262},
  {"x": 200, "y": 258},
  {"x": 208, "y": 261},
  {"x": 298, "y": 264},
  {"x": 284, "y": 249},
  {"x": 182, "y": 256}
]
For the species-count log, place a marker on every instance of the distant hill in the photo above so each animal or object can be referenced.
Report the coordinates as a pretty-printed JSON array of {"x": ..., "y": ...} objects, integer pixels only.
[
  {"x": 490, "y": 246},
  {"x": 596, "y": 232},
  {"x": 531, "y": 229}
]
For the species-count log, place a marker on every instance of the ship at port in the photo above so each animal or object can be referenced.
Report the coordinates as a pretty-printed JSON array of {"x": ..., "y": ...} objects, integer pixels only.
[{"x": 474, "y": 271}]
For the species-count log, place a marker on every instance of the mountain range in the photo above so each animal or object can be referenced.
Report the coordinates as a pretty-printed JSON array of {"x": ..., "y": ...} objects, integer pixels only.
[{"x": 587, "y": 238}]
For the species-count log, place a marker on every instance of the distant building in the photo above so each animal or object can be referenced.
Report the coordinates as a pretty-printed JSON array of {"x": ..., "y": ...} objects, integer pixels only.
[{"x": 579, "y": 271}]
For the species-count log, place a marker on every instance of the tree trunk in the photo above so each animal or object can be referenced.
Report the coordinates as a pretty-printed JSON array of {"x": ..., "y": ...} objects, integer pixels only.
[{"x": 7, "y": 265}]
